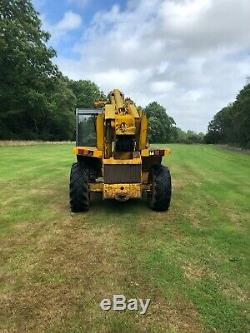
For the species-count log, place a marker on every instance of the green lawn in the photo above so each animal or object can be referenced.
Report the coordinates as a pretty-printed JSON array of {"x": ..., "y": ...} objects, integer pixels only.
[{"x": 193, "y": 261}]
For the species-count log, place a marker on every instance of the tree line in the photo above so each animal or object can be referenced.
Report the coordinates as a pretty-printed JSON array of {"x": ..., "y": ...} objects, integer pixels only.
[
  {"x": 231, "y": 125},
  {"x": 37, "y": 102},
  {"x": 162, "y": 127}
]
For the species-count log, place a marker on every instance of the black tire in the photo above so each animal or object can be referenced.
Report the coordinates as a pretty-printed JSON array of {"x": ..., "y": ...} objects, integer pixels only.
[
  {"x": 79, "y": 188},
  {"x": 160, "y": 194}
]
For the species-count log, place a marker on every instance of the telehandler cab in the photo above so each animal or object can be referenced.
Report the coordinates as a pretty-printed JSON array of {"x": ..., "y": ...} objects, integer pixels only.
[{"x": 114, "y": 157}]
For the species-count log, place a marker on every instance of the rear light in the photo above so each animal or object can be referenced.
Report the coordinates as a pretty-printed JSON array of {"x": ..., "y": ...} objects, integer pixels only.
[
  {"x": 157, "y": 152},
  {"x": 85, "y": 152},
  {"x": 80, "y": 151}
]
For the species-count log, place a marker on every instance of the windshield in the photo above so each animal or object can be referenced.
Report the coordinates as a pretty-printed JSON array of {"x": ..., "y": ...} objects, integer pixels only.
[{"x": 86, "y": 130}]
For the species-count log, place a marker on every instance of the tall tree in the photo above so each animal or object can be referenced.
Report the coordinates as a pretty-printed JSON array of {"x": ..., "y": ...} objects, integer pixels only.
[
  {"x": 86, "y": 92},
  {"x": 29, "y": 79},
  {"x": 220, "y": 129},
  {"x": 241, "y": 117},
  {"x": 161, "y": 126},
  {"x": 231, "y": 125}
]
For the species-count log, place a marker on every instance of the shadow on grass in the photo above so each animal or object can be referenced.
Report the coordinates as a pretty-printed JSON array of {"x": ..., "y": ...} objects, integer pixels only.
[
  {"x": 113, "y": 206},
  {"x": 130, "y": 214}
]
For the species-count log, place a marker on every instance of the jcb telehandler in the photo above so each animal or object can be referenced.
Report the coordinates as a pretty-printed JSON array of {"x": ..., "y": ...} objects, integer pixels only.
[{"x": 114, "y": 157}]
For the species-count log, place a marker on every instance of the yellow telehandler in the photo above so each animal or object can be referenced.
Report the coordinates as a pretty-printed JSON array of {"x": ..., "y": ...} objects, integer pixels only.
[{"x": 114, "y": 157}]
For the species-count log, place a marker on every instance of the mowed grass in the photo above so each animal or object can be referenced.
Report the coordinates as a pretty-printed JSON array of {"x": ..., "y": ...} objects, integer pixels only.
[{"x": 192, "y": 261}]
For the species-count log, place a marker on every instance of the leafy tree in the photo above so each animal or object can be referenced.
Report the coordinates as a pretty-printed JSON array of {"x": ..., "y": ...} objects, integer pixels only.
[
  {"x": 86, "y": 92},
  {"x": 241, "y": 117},
  {"x": 25, "y": 62},
  {"x": 61, "y": 120},
  {"x": 220, "y": 128},
  {"x": 180, "y": 136},
  {"x": 33, "y": 93},
  {"x": 193, "y": 137},
  {"x": 231, "y": 125},
  {"x": 160, "y": 124}
]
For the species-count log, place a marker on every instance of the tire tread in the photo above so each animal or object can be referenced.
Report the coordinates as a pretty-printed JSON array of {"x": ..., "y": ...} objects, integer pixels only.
[
  {"x": 78, "y": 188},
  {"x": 161, "y": 194}
]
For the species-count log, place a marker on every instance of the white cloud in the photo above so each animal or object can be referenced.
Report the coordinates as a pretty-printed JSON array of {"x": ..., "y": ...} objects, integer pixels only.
[
  {"x": 191, "y": 55},
  {"x": 115, "y": 78},
  {"x": 68, "y": 23},
  {"x": 183, "y": 14},
  {"x": 162, "y": 87}
]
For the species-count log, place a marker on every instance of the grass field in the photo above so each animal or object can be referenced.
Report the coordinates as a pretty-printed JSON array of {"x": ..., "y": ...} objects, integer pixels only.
[{"x": 193, "y": 261}]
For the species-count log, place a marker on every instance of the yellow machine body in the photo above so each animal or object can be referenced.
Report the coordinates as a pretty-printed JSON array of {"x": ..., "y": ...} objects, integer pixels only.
[{"x": 121, "y": 157}]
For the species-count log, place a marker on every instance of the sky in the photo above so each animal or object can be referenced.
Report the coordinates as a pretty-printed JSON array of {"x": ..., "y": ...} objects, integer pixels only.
[{"x": 191, "y": 56}]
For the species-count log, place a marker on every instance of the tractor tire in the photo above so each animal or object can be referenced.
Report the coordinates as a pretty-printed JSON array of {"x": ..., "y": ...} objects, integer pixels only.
[
  {"x": 79, "y": 188},
  {"x": 160, "y": 194}
]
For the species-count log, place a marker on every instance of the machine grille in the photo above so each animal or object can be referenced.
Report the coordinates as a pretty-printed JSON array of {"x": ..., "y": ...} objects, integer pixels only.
[{"x": 122, "y": 173}]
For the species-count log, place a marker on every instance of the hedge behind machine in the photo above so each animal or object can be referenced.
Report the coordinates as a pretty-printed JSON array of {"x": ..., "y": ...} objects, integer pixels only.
[{"x": 114, "y": 157}]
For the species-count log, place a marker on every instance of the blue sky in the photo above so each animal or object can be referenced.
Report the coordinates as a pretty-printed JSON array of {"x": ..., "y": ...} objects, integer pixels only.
[
  {"x": 54, "y": 11},
  {"x": 192, "y": 56}
]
